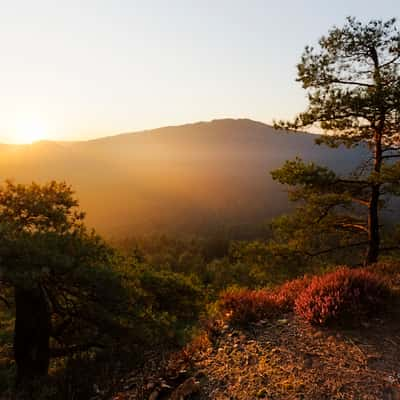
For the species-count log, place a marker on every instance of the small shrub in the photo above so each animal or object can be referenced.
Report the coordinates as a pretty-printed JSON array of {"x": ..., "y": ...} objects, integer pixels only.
[
  {"x": 342, "y": 296},
  {"x": 286, "y": 294},
  {"x": 200, "y": 344},
  {"x": 245, "y": 305},
  {"x": 390, "y": 271},
  {"x": 166, "y": 291}
]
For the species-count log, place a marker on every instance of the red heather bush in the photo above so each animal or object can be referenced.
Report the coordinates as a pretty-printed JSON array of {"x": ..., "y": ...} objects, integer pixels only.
[
  {"x": 342, "y": 296},
  {"x": 245, "y": 305},
  {"x": 286, "y": 294}
]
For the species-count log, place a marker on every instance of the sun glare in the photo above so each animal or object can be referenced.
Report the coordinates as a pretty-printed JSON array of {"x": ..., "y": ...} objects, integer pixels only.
[{"x": 29, "y": 131}]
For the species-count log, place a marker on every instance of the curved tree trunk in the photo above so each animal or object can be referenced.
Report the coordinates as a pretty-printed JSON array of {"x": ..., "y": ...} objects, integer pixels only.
[{"x": 32, "y": 335}]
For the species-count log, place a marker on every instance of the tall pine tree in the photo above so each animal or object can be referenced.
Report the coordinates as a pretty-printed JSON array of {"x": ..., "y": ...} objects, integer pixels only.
[{"x": 352, "y": 80}]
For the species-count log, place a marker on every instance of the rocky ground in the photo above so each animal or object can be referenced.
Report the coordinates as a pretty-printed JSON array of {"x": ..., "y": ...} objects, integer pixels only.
[{"x": 278, "y": 360}]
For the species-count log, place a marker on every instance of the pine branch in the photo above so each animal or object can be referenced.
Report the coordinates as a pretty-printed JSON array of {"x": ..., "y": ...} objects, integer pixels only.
[
  {"x": 353, "y": 182},
  {"x": 394, "y": 59},
  {"x": 360, "y": 201},
  {"x": 360, "y": 227},
  {"x": 5, "y": 301},
  {"x": 391, "y": 248},
  {"x": 351, "y": 83},
  {"x": 391, "y": 156},
  {"x": 58, "y": 353},
  {"x": 342, "y": 247}
]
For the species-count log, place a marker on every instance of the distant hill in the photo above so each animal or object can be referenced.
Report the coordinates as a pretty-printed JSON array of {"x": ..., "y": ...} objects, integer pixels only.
[{"x": 188, "y": 178}]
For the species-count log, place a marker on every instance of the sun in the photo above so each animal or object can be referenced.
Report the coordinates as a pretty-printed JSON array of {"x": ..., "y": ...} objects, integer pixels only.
[{"x": 29, "y": 130}]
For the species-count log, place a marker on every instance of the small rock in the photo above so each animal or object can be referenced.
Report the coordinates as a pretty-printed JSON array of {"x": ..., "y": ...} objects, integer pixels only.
[
  {"x": 283, "y": 321},
  {"x": 275, "y": 350},
  {"x": 308, "y": 361},
  {"x": 252, "y": 360},
  {"x": 189, "y": 387},
  {"x": 264, "y": 378},
  {"x": 164, "y": 386},
  {"x": 150, "y": 386},
  {"x": 154, "y": 395},
  {"x": 200, "y": 375},
  {"x": 96, "y": 389},
  {"x": 262, "y": 393}
]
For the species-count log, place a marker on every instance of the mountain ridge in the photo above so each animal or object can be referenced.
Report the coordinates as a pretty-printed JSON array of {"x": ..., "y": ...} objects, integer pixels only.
[
  {"x": 162, "y": 129},
  {"x": 183, "y": 178}
]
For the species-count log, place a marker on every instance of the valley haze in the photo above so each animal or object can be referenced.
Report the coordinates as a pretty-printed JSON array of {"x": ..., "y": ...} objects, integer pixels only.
[{"x": 189, "y": 179}]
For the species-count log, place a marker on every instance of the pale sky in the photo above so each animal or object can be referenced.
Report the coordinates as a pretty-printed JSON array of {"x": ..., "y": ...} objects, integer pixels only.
[{"x": 80, "y": 69}]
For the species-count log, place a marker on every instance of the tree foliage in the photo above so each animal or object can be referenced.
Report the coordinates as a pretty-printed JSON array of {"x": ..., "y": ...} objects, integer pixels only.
[
  {"x": 77, "y": 302},
  {"x": 66, "y": 294},
  {"x": 353, "y": 84}
]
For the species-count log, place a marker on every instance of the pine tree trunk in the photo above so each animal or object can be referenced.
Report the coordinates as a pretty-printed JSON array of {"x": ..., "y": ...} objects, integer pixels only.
[
  {"x": 373, "y": 228},
  {"x": 32, "y": 335},
  {"x": 373, "y": 208}
]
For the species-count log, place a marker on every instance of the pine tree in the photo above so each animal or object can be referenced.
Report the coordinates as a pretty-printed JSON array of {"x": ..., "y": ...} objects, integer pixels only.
[
  {"x": 58, "y": 275},
  {"x": 352, "y": 80}
]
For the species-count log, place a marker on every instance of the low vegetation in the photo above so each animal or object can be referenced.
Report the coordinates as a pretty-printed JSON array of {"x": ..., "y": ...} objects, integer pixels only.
[
  {"x": 242, "y": 306},
  {"x": 339, "y": 297},
  {"x": 343, "y": 296}
]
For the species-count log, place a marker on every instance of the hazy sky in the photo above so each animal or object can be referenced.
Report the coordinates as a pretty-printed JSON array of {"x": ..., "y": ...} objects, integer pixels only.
[{"x": 79, "y": 69}]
